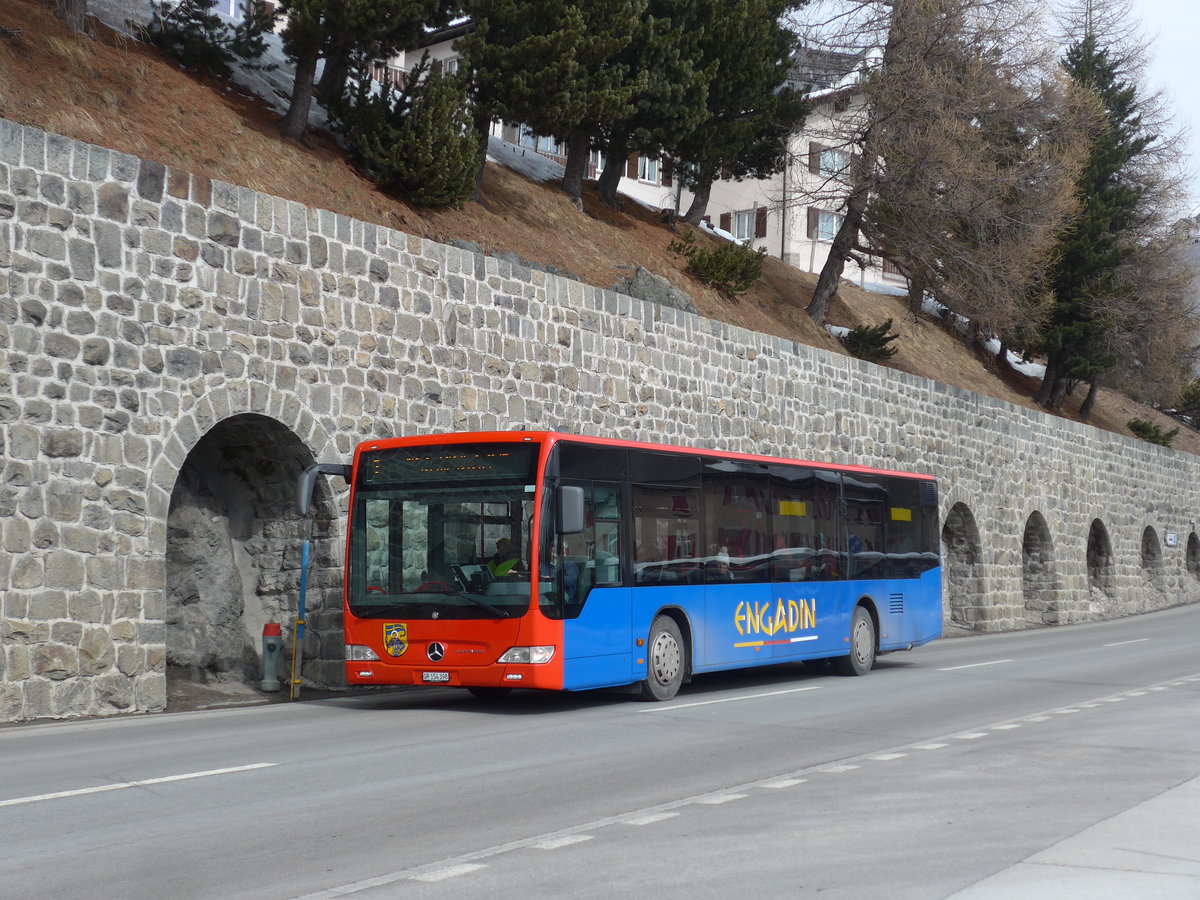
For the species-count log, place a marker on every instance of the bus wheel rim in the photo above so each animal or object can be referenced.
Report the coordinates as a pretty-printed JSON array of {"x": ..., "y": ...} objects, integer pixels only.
[
  {"x": 665, "y": 657},
  {"x": 862, "y": 634}
]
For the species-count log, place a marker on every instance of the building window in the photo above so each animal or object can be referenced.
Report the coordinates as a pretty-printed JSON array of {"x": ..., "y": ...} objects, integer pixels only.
[
  {"x": 743, "y": 224},
  {"x": 827, "y": 225},
  {"x": 450, "y": 66},
  {"x": 834, "y": 162},
  {"x": 648, "y": 169}
]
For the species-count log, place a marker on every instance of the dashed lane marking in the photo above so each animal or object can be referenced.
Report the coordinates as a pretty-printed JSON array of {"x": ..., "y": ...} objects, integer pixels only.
[
  {"x": 649, "y": 819},
  {"x": 446, "y": 872},
  {"x": 718, "y": 799},
  {"x": 471, "y": 862},
  {"x": 565, "y": 841}
]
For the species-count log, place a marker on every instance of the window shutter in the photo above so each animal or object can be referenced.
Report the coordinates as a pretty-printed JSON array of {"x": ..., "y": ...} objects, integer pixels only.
[
  {"x": 814, "y": 157},
  {"x": 726, "y": 173},
  {"x": 760, "y": 222},
  {"x": 631, "y": 166},
  {"x": 667, "y": 172},
  {"x": 813, "y": 219},
  {"x": 726, "y": 222}
]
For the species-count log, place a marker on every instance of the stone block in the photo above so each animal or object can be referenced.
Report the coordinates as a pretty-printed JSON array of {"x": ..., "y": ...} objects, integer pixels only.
[
  {"x": 12, "y": 696},
  {"x": 55, "y": 661},
  {"x": 72, "y": 698}
]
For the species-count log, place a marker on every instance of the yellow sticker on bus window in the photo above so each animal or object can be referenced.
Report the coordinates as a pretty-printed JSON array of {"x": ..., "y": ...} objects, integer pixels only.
[
  {"x": 899, "y": 514},
  {"x": 793, "y": 508}
]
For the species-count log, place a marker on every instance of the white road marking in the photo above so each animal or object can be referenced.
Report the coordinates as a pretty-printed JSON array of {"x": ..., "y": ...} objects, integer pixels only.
[
  {"x": 1065, "y": 712},
  {"x": 728, "y": 699},
  {"x": 887, "y": 757},
  {"x": 565, "y": 840},
  {"x": 1135, "y": 693},
  {"x": 1007, "y": 725},
  {"x": 718, "y": 799},
  {"x": 649, "y": 819},
  {"x": 1123, "y": 643},
  {"x": 646, "y": 816},
  {"x": 447, "y": 872},
  {"x": 121, "y": 785},
  {"x": 994, "y": 662}
]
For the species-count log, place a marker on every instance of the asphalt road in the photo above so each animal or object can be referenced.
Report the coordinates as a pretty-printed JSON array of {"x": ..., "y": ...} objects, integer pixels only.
[{"x": 1056, "y": 762}]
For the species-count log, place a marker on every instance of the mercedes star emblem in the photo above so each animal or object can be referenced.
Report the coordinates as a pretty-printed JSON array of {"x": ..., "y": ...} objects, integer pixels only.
[{"x": 435, "y": 652}]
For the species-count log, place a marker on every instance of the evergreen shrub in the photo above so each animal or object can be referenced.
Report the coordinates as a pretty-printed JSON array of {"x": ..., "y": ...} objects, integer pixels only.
[
  {"x": 1148, "y": 431},
  {"x": 419, "y": 140},
  {"x": 871, "y": 342},
  {"x": 728, "y": 267}
]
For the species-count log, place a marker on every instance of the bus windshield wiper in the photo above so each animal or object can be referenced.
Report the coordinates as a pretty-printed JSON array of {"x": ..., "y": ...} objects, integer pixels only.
[{"x": 501, "y": 613}]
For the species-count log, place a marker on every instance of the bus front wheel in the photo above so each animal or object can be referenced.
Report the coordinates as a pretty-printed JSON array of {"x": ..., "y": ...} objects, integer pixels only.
[
  {"x": 665, "y": 660},
  {"x": 862, "y": 645}
]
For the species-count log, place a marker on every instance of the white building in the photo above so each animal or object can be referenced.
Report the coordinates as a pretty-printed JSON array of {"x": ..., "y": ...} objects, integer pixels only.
[{"x": 793, "y": 215}]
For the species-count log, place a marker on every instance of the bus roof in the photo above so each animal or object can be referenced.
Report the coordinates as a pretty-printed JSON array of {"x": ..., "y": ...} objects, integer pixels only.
[{"x": 551, "y": 437}]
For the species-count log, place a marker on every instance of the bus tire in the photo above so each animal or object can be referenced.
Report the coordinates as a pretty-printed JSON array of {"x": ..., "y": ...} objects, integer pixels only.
[
  {"x": 862, "y": 645},
  {"x": 665, "y": 660},
  {"x": 489, "y": 693}
]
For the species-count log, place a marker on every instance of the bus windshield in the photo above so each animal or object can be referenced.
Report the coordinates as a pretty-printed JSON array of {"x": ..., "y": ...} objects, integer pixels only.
[{"x": 442, "y": 532}]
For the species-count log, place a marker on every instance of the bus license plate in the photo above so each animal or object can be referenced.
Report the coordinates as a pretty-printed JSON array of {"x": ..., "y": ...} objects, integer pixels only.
[{"x": 435, "y": 676}]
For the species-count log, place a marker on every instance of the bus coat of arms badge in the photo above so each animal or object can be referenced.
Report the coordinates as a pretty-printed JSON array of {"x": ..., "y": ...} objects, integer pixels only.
[{"x": 395, "y": 638}]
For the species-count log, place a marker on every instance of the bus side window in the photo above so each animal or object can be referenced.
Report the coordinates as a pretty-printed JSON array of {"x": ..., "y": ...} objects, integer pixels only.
[
  {"x": 593, "y": 557},
  {"x": 666, "y": 527}
]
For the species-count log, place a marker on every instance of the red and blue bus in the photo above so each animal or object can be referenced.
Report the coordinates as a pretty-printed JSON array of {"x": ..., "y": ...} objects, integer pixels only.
[{"x": 502, "y": 560}]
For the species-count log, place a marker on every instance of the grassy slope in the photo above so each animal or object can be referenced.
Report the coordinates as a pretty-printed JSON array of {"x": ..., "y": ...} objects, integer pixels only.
[{"x": 115, "y": 93}]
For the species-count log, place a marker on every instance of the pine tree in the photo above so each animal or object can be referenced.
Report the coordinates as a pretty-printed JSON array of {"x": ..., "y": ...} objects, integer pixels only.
[
  {"x": 554, "y": 66},
  {"x": 750, "y": 114},
  {"x": 334, "y": 30},
  {"x": 1085, "y": 281},
  {"x": 667, "y": 48}
]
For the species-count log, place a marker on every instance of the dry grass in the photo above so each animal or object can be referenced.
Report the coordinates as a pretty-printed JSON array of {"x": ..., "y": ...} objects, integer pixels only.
[{"x": 114, "y": 92}]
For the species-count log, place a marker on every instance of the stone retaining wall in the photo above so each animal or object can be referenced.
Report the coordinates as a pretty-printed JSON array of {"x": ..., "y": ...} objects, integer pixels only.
[{"x": 174, "y": 350}]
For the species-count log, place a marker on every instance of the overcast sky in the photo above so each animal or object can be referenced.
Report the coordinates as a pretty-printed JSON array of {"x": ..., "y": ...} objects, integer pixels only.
[{"x": 1173, "y": 28}]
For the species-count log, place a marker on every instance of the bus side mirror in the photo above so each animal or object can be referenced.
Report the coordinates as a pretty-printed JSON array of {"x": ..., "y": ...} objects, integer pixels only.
[
  {"x": 304, "y": 486},
  {"x": 570, "y": 509}
]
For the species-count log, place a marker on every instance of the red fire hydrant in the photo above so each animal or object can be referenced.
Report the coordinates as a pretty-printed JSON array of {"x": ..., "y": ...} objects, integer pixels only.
[{"x": 272, "y": 650}]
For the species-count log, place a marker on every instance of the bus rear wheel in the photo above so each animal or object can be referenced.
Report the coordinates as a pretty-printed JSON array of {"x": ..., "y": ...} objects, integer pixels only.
[
  {"x": 862, "y": 645},
  {"x": 664, "y": 660}
]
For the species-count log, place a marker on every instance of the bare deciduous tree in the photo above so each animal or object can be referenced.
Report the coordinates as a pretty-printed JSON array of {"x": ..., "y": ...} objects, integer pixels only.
[{"x": 965, "y": 145}]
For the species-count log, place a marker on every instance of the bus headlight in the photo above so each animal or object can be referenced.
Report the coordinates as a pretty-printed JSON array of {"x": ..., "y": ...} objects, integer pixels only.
[
  {"x": 360, "y": 653},
  {"x": 532, "y": 655}
]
